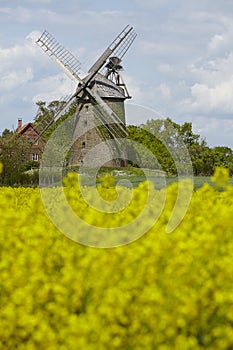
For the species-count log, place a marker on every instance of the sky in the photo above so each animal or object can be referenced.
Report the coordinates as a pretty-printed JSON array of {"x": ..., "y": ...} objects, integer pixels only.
[{"x": 180, "y": 65}]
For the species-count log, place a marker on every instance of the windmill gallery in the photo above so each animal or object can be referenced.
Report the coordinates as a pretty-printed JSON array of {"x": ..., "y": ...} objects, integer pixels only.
[{"x": 99, "y": 99}]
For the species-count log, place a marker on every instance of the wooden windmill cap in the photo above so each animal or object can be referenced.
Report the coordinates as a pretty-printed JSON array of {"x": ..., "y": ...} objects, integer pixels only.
[{"x": 107, "y": 89}]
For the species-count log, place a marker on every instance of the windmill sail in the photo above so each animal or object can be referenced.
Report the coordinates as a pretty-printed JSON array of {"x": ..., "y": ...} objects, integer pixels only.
[
  {"x": 124, "y": 46},
  {"x": 107, "y": 113},
  {"x": 44, "y": 124},
  {"x": 121, "y": 43},
  {"x": 64, "y": 57}
]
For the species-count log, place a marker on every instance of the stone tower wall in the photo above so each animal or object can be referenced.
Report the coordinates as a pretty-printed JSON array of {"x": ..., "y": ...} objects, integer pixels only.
[{"x": 86, "y": 136}]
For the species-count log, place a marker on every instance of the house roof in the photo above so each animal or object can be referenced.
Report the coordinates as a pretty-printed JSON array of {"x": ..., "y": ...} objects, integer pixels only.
[{"x": 25, "y": 127}]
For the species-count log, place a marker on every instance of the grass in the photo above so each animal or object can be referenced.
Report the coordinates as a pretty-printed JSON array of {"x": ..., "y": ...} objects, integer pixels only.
[{"x": 132, "y": 177}]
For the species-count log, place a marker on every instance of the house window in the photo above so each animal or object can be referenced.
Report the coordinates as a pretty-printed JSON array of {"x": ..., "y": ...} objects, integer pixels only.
[{"x": 35, "y": 157}]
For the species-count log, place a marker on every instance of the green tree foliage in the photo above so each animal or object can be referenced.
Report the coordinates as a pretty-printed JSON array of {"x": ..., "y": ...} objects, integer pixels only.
[
  {"x": 223, "y": 157},
  {"x": 46, "y": 113},
  {"x": 153, "y": 144},
  {"x": 6, "y": 133},
  {"x": 161, "y": 136},
  {"x": 13, "y": 155},
  {"x": 15, "y": 149}
]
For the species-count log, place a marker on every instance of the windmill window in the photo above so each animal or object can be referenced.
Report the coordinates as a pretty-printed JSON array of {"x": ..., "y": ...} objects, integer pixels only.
[
  {"x": 86, "y": 108},
  {"x": 84, "y": 145},
  {"x": 35, "y": 157},
  {"x": 85, "y": 122}
]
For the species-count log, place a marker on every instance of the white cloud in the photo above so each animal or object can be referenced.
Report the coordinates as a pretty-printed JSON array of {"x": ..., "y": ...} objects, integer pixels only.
[
  {"x": 213, "y": 129},
  {"x": 5, "y": 10},
  {"x": 165, "y": 90},
  {"x": 18, "y": 14},
  {"x": 165, "y": 68},
  {"x": 217, "y": 42},
  {"x": 152, "y": 4},
  {"x": 18, "y": 55},
  {"x": 16, "y": 68},
  {"x": 15, "y": 79},
  {"x": 217, "y": 99},
  {"x": 53, "y": 88},
  {"x": 134, "y": 88},
  {"x": 38, "y": 1},
  {"x": 26, "y": 77},
  {"x": 212, "y": 88},
  {"x": 45, "y": 15}
]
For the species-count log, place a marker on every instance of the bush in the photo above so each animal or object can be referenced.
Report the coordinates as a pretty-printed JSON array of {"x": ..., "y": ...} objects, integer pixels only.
[{"x": 31, "y": 164}]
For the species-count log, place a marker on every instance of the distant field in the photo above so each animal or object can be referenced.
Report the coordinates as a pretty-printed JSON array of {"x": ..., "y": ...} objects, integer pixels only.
[
  {"x": 161, "y": 182},
  {"x": 199, "y": 181},
  {"x": 132, "y": 177}
]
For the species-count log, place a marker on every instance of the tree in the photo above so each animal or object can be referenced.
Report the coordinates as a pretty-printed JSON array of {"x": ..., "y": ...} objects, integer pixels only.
[
  {"x": 165, "y": 138},
  {"x": 15, "y": 151},
  {"x": 186, "y": 132},
  {"x": 223, "y": 156},
  {"x": 7, "y": 133},
  {"x": 46, "y": 113},
  {"x": 150, "y": 136}
]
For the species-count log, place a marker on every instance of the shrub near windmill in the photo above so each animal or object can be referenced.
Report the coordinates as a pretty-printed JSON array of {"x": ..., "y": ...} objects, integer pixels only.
[{"x": 100, "y": 100}]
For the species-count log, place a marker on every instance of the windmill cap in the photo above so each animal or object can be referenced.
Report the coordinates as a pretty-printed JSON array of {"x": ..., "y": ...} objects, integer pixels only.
[{"x": 107, "y": 89}]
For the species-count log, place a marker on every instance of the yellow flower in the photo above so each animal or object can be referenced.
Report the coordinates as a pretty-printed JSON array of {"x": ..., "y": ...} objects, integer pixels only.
[
  {"x": 221, "y": 177},
  {"x": 107, "y": 181},
  {"x": 160, "y": 292}
]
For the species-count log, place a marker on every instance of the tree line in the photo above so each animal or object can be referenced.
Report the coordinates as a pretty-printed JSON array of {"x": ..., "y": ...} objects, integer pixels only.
[
  {"x": 204, "y": 158},
  {"x": 158, "y": 136}
]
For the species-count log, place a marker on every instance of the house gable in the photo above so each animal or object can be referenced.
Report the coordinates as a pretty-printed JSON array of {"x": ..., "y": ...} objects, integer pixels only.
[{"x": 31, "y": 134}]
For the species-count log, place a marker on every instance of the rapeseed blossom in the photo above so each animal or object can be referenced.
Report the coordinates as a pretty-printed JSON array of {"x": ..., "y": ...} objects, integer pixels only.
[
  {"x": 221, "y": 177},
  {"x": 160, "y": 292}
]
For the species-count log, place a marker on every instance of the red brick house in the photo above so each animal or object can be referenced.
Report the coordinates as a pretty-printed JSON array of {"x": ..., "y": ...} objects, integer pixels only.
[{"x": 31, "y": 134}]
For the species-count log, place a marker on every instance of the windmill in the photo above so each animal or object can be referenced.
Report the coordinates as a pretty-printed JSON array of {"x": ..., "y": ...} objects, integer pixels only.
[{"x": 99, "y": 98}]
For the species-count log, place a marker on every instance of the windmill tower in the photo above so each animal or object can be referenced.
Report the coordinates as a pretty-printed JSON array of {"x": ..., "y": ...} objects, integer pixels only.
[{"x": 100, "y": 96}]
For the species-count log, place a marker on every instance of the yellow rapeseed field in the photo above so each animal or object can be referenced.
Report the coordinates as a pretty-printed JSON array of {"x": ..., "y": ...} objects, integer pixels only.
[{"x": 161, "y": 292}]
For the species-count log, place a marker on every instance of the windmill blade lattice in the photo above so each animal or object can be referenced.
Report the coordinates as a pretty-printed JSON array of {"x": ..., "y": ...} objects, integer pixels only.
[
  {"x": 124, "y": 46},
  {"x": 54, "y": 49},
  {"x": 120, "y": 51},
  {"x": 122, "y": 42},
  {"x": 108, "y": 116},
  {"x": 113, "y": 127},
  {"x": 65, "y": 104}
]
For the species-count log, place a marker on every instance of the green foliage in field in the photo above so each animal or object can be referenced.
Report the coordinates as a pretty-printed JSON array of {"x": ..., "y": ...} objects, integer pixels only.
[
  {"x": 204, "y": 159},
  {"x": 164, "y": 291}
]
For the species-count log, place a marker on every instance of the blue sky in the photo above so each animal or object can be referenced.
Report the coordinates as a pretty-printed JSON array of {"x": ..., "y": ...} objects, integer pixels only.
[{"x": 180, "y": 65}]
